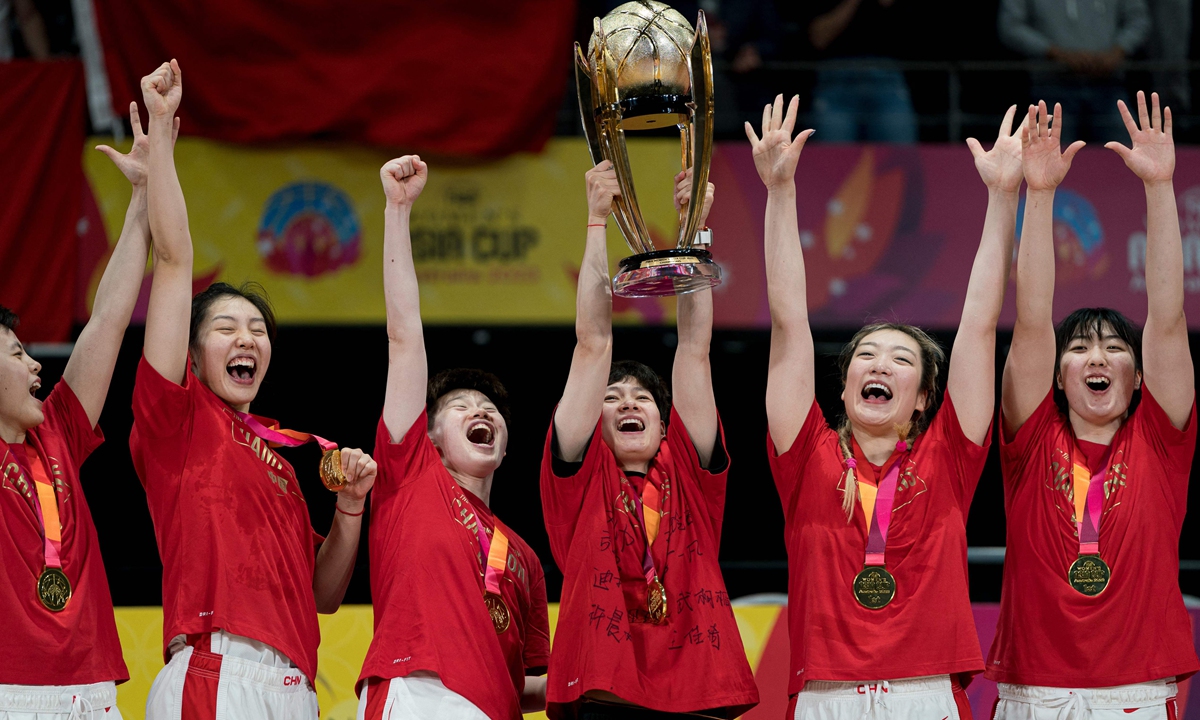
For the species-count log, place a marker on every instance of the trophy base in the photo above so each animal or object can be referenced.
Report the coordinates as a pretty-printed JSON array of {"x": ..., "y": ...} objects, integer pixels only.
[{"x": 666, "y": 272}]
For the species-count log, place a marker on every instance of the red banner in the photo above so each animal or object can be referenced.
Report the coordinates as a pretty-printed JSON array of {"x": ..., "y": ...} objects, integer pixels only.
[
  {"x": 890, "y": 232},
  {"x": 42, "y": 182},
  {"x": 464, "y": 79}
]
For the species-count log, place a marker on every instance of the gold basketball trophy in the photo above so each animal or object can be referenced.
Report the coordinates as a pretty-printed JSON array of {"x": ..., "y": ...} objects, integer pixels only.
[{"x": 645, "y": 68}]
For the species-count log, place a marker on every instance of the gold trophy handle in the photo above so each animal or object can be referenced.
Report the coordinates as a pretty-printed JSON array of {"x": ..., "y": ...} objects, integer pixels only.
[
  {"x": 586, "y": 92},
  {"x": 700, "y": 70}
]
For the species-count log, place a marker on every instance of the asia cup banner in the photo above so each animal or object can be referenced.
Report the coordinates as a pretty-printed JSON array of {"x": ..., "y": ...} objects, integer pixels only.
[{"x": 888, "y": 232}]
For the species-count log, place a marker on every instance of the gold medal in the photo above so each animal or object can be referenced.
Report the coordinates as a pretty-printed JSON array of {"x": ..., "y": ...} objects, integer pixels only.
[
  {"x": 54, "y": 589},
  {"x": 331, "y": 470},
  {"x": 1089, "y": 574},
  {"x": 498, "y": 610},
  {"x": 656, "y": 602},
  {"x": 874, "y": 587}
]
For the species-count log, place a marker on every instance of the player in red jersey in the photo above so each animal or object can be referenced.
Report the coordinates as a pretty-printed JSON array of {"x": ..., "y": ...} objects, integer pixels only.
[
  {"x": 244, "y": 574},
  {"x": 62, "y": 658},
  {"x": 1096, "y": 449},
  {"x": 461, "y": 625},
  {"x": 878, "y": 610},
  {"x": 633, "y": 491}
]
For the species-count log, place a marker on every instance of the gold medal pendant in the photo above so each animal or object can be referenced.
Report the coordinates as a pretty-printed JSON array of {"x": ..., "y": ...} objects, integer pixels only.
[
  {"x": 331, "y": 470},
  {"x": 874, "y": 587},
  {"x": 497, "y": 608},
  {"x": 656, "y": 602},
  {"x": 1089, "y": 575},
  {"x": 54, "y": 589}
]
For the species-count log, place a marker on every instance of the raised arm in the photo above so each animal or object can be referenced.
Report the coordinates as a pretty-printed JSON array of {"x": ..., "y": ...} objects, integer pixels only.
[
  {"x": 972, "y": 379},
  {"x": 89, "y": 371},
  {"x": 583, "y": 397},
  {"x": 1166, "y": 359},
  {"x": 166, "y": 344},
  {"x": 691, "y": 376},
  {"x": 408, "y": 371},
  {"x": 790, "y": 382},
  {"x": 1029, "y": 370}
]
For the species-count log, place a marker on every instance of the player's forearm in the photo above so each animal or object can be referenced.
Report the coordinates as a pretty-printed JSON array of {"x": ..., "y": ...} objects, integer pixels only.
[
  {"x": 785, "y": 262},
  {"x": 533, "y": 697},
  {"x": 1035, "y": 261},
  {"x": 167, "y": 208},
  {"x": 400, "y": 290},
  {"x": 335, "y": 559},
  {"x": 1164, "y": 257},
  {"x": 593, "y": 299},
  {"x": 989, "y": 273}
]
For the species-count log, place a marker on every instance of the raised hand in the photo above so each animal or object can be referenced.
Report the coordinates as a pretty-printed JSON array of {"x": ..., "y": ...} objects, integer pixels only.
[
  {"x": 777, "y": 153},
  {"x": 683, "y": 194},
  {"x": 404, "y": 179},
  {"x": 1153, "y": 155},
  {"x": 163, "y": 89},
  {"x": 1000, "y": 167},
  {"x": 1044, "y": 166},
  {"x": 360, "y": 470},
  {"x": 133, "y": 164},
  {"x": 602, "y": 187}
]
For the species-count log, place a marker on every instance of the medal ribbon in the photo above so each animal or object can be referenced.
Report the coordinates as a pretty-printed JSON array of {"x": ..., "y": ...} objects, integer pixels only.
[
  {"x": 288, "y": 438},
  {"x": 879, "y": 516},
  {"x": 47, "y": 506},
  {"x": 649, "y": 509},
  {"x": 1089, "y": 500},
  {"x": 495, "y": 548}
]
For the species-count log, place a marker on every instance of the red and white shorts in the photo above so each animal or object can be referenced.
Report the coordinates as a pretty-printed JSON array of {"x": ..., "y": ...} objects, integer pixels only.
[
  {"x": 226, "y": 676},
  {"x": 97, "y": 701},
  {"x": 1143, "y": 701},
  {"x": 925, "y": 698},
  {"x": 417, "y": 696}
]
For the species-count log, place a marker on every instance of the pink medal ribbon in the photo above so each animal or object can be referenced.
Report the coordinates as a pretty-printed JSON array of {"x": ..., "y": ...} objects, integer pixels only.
[
  {"x": 495, "y": 553},
  {"x": 331, "y": 457},
  {"x": 874, "y": 587},
  {"x": 649, "y": 512},
  {"x": 1089, "y": 574}
]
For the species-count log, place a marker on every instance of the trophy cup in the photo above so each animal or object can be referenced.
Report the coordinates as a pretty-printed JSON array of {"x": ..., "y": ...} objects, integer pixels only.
[{"x": 645, "y": 68}]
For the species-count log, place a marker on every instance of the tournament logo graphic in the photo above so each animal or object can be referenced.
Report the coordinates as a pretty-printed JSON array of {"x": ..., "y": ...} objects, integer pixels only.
[
  {"x": 1078, "y": 238},
  {"x": 309, "y": 229}
]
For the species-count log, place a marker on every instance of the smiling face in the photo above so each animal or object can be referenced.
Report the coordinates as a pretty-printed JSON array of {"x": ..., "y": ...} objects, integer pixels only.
[
  {"x": 1098, "y": 374},
  {"x": 469, "y": 432},
  {"x": 20, "y": 409},
  {"x": 232, "y": 350},
  {"x": 631, "y": 424},
  {"x": 883, "y": 382}
]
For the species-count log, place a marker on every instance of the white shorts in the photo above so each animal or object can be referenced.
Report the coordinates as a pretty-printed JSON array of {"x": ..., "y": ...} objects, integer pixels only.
[
  {"x": 417, "y": 696},
  {"x": 97, "y": 701},
  {"x": 234, "y": 678},
  {"x": 924, "y": 698},
  {"x": 1144, "y": 701}
]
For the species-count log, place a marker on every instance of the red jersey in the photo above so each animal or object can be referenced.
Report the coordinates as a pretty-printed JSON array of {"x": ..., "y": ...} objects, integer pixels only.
[
  {"x": 605, "y": 640},
  {"x": 78, "y": 645},
  {"x": 237, "y": 547},
  {"x": 928, "y": 628},
  {"x": 427, "y": 583},
  {"x": 1137, "y": 629}
]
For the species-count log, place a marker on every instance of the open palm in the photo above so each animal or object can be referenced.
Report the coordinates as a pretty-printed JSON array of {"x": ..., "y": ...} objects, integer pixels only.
[
  {"x": 777, "y": 153},
  {"x": 133, "y": 163},
  {"x": 1000, "y": 167},
  {"x": 1043, "y": 164},
  {"x": 1153, "y": 155}
]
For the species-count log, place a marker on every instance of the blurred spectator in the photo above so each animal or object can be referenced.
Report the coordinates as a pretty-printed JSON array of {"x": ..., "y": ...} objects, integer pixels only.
[
  {"x": 744, "y": 33},
  {"x": 1088, "y": 39},
  {"x": 29, "y": 23},
  {"x": 1169, "y": 38},
  {"x": 863, "y": 95}
]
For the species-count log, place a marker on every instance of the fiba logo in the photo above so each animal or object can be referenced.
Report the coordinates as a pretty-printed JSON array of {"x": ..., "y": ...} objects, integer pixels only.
[
  {"x": 309, "y": 229},
  {"x": 1189, "y": 225}
]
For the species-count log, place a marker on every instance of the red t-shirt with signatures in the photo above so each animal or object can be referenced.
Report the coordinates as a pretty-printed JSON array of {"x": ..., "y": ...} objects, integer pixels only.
[
  {"x": 237, "y": 547},
  {"x": 928, "y": 628},
  {"x": 1137, "y": 629},
  {"x": 605, "y": 639}
]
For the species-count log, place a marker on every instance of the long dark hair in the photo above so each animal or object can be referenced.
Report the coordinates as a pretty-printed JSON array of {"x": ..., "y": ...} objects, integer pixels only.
[
  {"x": 251, "y": 292},
  {"x": 1087, "y": 323}
]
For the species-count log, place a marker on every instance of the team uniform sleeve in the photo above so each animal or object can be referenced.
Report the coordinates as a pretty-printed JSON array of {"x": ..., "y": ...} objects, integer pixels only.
[
  {"x": 537, "y": 625},
  {"x": 65, "y": 415},
  {"x": 401, "y": 462},
  {"x": 788, "y": 468},
  {"x": 1174, "y": 447},
  {"x": 563, "y": 495},
  {"x": 967, "y": 458},
  {"x": 161, "y": 408},
  {"x": 711, "y": 480},
  {"x": 1016, "y": 452}
]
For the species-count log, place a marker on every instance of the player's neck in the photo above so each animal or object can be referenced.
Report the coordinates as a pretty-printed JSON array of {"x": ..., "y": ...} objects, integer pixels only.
[
  {"x": 875, "y": 448},
  {"x": 1100, "y": 433},
  {"x": 479, "y": 487},
  {"x": 11, "y": 432}
]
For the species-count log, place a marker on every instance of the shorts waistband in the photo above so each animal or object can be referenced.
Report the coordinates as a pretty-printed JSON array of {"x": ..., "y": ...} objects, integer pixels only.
[
  {"x": 57, "y": 698},
  {"x": 933, "y": 684},
  {"x": 278, "y": 679},
  {"x": 1122, "y": 696}
]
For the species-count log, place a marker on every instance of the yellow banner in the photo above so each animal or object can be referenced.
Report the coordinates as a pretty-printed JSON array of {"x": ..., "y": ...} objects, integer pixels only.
[
  {"x": 493, "y": 243},
  {"x": 345, "y": 636}
]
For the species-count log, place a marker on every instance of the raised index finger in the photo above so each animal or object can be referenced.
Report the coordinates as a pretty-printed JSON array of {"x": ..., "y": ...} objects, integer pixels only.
[
  {"x": 1006, "y": 125},
  {"x": 135, "y": 121}
]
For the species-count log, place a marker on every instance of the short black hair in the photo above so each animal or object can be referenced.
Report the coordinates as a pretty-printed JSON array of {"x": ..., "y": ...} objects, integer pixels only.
[
  {"x": 1086, "y": 323},
  {"x": 251, "y": 292},
  {"x": 645, "y": 376},
  {"x": 481, "y": 381},
  {"x": 9, "y": 319}
]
